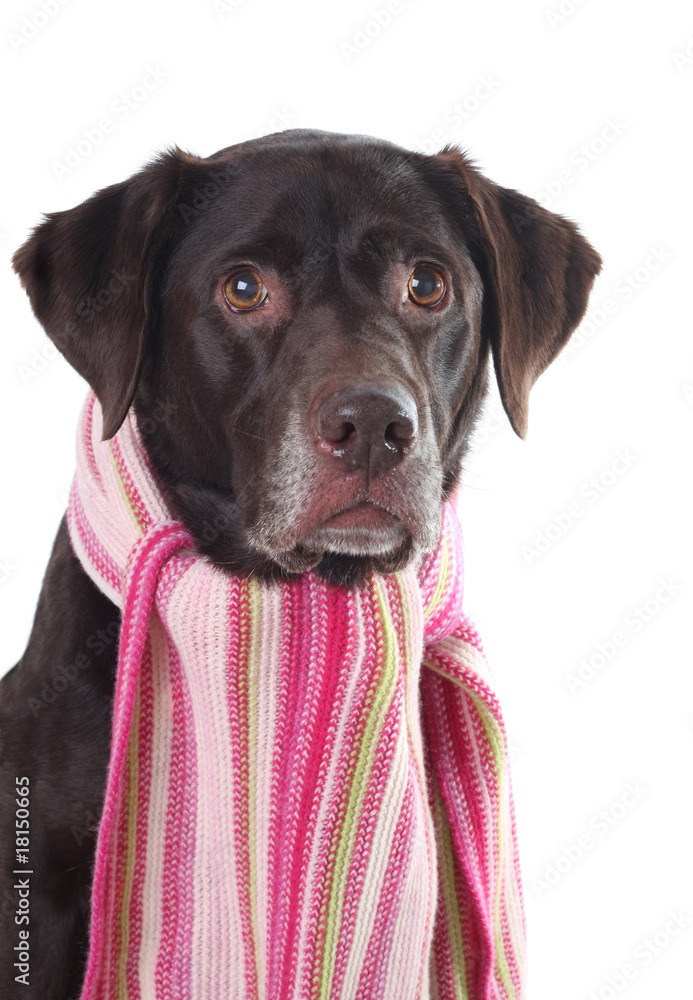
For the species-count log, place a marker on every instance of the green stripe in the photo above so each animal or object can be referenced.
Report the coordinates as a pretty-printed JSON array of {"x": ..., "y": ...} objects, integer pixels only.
[
  {"x": 251, "y": 672},
  {"x": 127, "y": 499},
  {"x": 443, "y": 581}
]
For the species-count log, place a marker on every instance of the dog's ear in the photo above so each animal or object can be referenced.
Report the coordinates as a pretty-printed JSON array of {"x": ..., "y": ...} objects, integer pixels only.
[
  {"x": 89, "y": 273},
  {"x": 537, "y": 271}
]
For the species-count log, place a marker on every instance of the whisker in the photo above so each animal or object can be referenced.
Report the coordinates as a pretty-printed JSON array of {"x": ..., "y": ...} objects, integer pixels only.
[{"x": 256, "y": 436}]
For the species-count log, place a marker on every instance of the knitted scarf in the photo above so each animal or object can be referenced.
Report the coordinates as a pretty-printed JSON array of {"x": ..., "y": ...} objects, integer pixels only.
[{"x": 308, "y": 791}]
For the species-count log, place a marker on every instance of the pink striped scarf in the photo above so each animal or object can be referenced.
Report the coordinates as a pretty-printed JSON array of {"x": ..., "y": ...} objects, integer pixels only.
[{"x": 294, "y": 809}]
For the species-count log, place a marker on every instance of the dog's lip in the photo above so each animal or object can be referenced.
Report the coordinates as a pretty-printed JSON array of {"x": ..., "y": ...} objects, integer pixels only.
[
  {"x": 360, "y": 528},
  {"x": 364, "y": 514}
]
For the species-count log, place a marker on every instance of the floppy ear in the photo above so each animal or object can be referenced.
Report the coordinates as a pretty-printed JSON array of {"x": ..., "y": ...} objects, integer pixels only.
[
  {"x": 89, "y": 272},
  {"x": 537, "y": 271}
]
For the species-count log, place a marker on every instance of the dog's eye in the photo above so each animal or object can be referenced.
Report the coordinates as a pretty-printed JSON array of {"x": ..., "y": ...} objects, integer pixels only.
[
  {"x": 426, "y": 286},
  {"x": 245, "y": 290}
]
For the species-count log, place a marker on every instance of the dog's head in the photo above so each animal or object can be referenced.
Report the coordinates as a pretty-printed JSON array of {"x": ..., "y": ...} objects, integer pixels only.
[{"x": 303, "y": 324}]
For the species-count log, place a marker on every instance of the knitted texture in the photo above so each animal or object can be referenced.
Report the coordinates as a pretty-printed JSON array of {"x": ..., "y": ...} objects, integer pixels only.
[{"x": 308, "y": 794}]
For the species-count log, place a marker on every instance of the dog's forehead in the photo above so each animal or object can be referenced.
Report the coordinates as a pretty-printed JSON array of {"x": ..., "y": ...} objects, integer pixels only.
[
  {"x": 309, "y": 162},
  {"x": 286, "y": 196}
]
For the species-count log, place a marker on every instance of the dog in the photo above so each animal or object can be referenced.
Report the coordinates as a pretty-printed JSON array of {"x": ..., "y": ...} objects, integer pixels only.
[{"x": 303, "y": 324}]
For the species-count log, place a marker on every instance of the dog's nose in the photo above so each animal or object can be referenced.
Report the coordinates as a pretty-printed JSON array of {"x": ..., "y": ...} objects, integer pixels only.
[{"x": 367, "y": 427}]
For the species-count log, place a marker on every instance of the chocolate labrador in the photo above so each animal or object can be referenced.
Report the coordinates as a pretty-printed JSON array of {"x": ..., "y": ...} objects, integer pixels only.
[{"x": 303, "y": 324}]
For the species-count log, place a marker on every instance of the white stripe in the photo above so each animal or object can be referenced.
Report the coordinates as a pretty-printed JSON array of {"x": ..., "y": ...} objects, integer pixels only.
[{"x": 263, "y": 697}]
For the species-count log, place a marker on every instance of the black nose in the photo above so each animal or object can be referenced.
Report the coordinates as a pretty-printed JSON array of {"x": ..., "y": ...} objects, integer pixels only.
[{"x": 367, "y": 427}]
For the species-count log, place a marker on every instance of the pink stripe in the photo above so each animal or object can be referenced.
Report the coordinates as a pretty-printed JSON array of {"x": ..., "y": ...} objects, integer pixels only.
[
  {"x": 87, "y": 433},
  {"x": 173, "y": 965},
  {"x": 238, "y": 718}
]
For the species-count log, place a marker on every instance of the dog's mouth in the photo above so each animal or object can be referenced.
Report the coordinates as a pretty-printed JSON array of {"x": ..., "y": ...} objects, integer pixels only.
[
  {"x": 365, "y": 517},
  {"x": 362, "y": 529}
]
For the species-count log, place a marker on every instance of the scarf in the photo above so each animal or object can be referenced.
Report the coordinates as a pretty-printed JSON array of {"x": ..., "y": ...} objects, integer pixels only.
[{"x": 307, "y": 795}]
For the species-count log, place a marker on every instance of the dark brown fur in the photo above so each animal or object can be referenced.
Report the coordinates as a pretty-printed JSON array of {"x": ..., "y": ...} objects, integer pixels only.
[{"x": 128, "y": 287}]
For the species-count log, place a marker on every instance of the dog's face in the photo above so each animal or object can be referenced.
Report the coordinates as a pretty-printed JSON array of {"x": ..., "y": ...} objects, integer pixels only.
[{"x": 303, "y": 323}]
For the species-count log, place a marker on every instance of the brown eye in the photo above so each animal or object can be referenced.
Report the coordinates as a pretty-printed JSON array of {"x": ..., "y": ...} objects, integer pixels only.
[
  {"x": 426, "y": 286},
  {"x": 245, "y": 290}
]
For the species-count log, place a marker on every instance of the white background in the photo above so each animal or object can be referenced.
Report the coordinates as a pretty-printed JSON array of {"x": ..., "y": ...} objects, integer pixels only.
[{"x": 534, "y": 88}]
